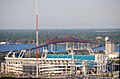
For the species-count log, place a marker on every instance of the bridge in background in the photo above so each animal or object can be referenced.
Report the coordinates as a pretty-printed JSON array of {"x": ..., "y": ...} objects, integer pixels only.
[{"x": 71, "y": 43}]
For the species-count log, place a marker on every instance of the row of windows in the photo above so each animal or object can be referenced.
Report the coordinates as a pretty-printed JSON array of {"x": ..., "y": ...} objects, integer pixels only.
[{"x": 21, "y": 62}]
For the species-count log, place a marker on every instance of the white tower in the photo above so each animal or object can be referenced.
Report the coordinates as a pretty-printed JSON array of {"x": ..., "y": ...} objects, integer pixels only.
[{"x": 109, "y": 47}]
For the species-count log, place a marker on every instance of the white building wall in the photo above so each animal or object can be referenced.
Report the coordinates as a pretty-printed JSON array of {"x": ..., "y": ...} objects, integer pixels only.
[
  {"x": 109, "y": 48},
  {"x": 15, "y": 65},
  {"x": 114, "y": 55},
  {"x": 101, "y": 60}
]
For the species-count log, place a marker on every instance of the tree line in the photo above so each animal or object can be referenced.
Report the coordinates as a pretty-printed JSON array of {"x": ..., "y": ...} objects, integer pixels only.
[{"x": 28, "y": 36}]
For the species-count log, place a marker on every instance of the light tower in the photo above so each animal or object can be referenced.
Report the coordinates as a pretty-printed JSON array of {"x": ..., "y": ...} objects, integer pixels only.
[
  {"x": 36, "y": 40},
  {"x": 36, "y": 32}
]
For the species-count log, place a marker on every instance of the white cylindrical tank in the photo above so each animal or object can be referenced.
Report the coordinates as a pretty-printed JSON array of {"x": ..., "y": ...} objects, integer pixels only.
[{"x": 106, "y": 39}]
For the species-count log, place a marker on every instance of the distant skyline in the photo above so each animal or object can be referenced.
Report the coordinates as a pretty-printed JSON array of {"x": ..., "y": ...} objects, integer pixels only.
[{"x": 60, "y": 14}]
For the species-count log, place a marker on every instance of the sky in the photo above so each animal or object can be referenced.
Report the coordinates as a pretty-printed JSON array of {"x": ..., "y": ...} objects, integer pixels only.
[{"x": 60, "y": 14}]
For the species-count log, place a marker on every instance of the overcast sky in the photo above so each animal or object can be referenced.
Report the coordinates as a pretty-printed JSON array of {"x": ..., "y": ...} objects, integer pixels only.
[{"x": 60, "y": 14}]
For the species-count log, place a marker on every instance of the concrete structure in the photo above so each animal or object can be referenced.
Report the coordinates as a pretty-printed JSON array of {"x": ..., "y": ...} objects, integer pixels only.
[
  {"x": 17, "y": 64},
  {"x": 110, "y": 49},
  {"x": 102, "y": 60},
  {"x": 114, "y": 55},
  {"x": 84, "y": 68}
]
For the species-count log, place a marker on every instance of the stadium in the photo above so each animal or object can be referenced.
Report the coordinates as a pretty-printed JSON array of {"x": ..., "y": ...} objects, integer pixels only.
[{"x": 50, "y": 63}]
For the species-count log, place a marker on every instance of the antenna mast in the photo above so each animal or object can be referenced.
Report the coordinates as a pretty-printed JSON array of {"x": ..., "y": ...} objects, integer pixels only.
[
  {"x": 36, "y": 40},
  {"x": 36, "y": 31}
]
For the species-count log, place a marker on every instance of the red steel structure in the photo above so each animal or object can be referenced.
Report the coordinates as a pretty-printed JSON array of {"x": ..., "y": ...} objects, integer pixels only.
[{"x": 36, "y": 32}]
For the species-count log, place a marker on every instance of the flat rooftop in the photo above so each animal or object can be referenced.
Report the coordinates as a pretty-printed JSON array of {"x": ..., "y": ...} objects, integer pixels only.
[{"x": 76, "y": 57}]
